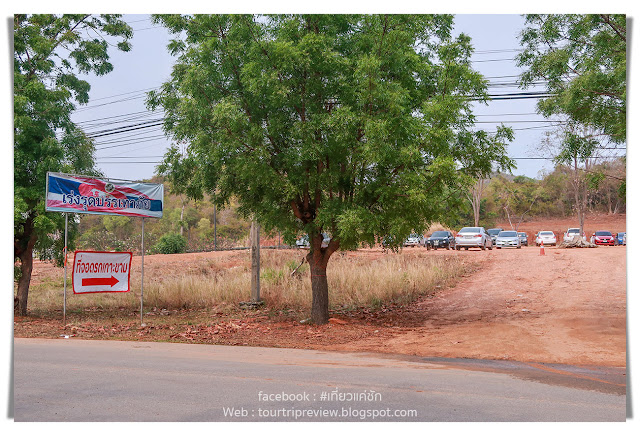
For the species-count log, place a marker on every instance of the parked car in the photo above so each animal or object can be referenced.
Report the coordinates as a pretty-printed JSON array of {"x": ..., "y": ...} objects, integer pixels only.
[
  {"x": 508, "y": 238},
  {"x": 494, "y": 233},
  {"x": 524, "y": 239},
  {"x": 477, "y": 237},
  {"x": 441, "y": 239},
  {"x": 621, "y": 238},
  {"x": 602, "y": 237},
  {"x": 325, "y": 240},
  {"x": 414, "y": 240},
  {"x": 572, "y": 233},
  {"x": 303, "y": 241},
  {"x": 546, "y": 236}
]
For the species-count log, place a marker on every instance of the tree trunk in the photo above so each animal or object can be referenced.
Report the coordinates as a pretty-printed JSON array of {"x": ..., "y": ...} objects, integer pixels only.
[
  {"x": 181, "y": 219},
  {"x": 506, "y": 210},
  {"x": 319, "y": 290},
  {"x": 255, "y": 261},
  {"x": 475, "y": 205},
  {"x": 580, "y": 194},
  {"x": 26, "y": 267},
  {"x": 318, "y": 259},
  {"x": 475, "y": 198}
]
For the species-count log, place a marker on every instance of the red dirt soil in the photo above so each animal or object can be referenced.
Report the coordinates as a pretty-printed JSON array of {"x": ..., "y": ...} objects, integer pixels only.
[{"x": 568, "y": 306}]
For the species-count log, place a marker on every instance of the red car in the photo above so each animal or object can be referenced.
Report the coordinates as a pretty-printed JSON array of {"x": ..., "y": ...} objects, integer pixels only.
[{"x": 603, "y": 237}]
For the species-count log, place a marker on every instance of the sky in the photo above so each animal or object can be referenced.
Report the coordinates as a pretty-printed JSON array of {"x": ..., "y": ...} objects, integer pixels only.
[{"x": 117, "y": 99}]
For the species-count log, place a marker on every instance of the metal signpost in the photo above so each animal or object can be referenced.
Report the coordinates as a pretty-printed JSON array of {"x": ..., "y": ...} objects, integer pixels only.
[
  {"x": 70, "y": 193},
  {"x": 64, "y": 309}
]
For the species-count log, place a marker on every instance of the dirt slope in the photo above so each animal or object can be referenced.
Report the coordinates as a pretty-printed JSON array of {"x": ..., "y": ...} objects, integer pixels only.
[{"x": 568, "y": 306}]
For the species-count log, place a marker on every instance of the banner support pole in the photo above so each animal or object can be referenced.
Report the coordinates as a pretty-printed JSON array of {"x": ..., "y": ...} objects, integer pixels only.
[
  {"x": 142, "y": 275},
  {"x": 64, "y": 304}
]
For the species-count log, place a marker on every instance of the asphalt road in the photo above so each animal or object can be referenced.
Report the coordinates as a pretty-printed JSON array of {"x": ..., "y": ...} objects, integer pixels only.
[{"x": 77, "y": 380}]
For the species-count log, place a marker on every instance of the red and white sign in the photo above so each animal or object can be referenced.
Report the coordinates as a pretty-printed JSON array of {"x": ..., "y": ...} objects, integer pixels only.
[{"x": 101, "y": 271}]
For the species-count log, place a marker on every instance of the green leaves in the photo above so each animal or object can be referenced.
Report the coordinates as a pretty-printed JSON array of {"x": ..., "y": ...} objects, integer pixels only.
[
  {"x": 583, "y": 60},
  {"x": 49, "y": 52},
  {"x": 360, "y": 126},
  {"x": 576, "y": 147}
]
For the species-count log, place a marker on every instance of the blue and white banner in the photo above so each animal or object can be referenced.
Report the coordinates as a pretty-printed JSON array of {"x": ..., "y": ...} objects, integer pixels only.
[{"x": 84, "y": 194}]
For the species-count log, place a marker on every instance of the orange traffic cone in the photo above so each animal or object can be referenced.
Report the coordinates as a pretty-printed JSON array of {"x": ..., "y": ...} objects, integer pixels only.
[{"x": 541, "y": 248}]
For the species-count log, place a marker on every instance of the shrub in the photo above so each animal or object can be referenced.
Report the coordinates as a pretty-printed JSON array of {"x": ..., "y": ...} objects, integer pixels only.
[{"x": 170, "y": 243}]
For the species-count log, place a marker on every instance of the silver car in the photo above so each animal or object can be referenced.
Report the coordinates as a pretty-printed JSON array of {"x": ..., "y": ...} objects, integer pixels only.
[
  {"x": 508, "y": 238},
  {"x": 469, "y": 237}
]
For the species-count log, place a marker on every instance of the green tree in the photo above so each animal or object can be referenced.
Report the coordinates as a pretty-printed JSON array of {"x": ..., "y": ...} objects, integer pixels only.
[
  {"x": 49, "y": 53},
  {"x": 583, "y": 59},
  {"x": 170, "y": 243},
  {"x": 577, "y": 151},
  {"x": 360, "y": 126}
]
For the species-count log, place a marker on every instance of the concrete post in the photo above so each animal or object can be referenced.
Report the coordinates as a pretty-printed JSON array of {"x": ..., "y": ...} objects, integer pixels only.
[{"x": 255, "y": 262}]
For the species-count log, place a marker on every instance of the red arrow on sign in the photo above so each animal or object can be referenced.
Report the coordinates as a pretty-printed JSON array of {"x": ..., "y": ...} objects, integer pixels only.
[{"x": 100, "y": 281}]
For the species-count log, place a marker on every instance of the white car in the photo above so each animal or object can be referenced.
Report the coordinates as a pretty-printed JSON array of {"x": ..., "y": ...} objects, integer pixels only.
[
  {"x": 546, "y": 236},
  {"x": 303, "y": 242},
  {"x": 572, "y": 233},
  {"x": 414, "y": 240},
  {"x": 477, "y": 237}
]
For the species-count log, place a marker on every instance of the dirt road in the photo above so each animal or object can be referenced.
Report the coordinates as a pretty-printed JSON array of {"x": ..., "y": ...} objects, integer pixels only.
[{"x": 571, "y": 310}]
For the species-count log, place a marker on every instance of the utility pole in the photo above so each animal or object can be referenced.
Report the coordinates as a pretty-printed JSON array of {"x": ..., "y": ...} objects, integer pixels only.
[{"x": 255, "y": 262}]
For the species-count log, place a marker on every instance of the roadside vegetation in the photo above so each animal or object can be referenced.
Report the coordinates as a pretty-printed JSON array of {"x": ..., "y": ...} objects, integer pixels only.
[{"x": 356, "y": 282}]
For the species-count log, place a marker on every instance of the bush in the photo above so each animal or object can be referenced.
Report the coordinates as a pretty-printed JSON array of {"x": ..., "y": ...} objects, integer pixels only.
[{"x": 170, "y": 243}]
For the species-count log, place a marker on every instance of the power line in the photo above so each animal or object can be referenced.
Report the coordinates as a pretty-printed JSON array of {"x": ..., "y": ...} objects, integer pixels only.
[
  {"x": 514, "y": 158},
  {"x": 137, "y": 162},
  {"x": 522, "y": 97},
  {"x": 131, "y": 135},
  {"x": 125, "y": 93},
  {"x": 87, "y": 108},
  {"x": 130, "y": 140},
  {"x": 128, "y": 151},
  {"x": 492, "y": 60},
  {"x": 131, "y": 127},
  {"x": 506, "y": 115},
  {"x": 137, "y": 21},
  {"x": 118, "y": 116},
  {"x": 128, "y": 157},
  {"x": 518, "y": 121},
  {"x": 504, "y": 50},
  {"x": 147, "y": 28},
  {"x": 130, "y": 143}
]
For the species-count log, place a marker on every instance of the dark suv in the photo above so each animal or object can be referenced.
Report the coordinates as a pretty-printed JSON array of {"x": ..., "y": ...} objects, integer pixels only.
[
  {"x": 494, "y": 234},
  {"x": 524, "y": 239},
  {"x": 441, "y": 239}
]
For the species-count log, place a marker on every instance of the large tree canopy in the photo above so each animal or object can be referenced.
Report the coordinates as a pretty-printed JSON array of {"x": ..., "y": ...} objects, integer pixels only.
[
  {"x": 49, "y": 52},
  {"x": 358, "y": 126},
  {"x": 583, "y": 59}
]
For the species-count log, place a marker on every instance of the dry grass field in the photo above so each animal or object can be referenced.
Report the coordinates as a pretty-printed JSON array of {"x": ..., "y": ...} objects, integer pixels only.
[{"x": 367, "y": 278}]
